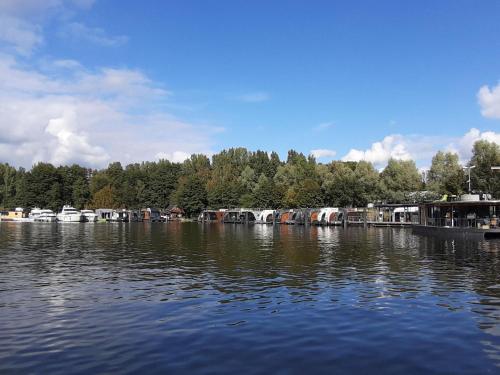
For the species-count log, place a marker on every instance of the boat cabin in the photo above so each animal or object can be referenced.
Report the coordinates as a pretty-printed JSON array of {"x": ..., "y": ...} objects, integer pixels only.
[
  {"x": 469, "y": 213},
  {"x": 17, "y": 215},
  {"x": 469, "y": 216},
  {"x": 266, "y": 217},
  {"x": 151, "y": 214},
  {"x": 211, "y": 215},
  {"x": 240, "y": 216},
  {"x": 397, "y": 214},
  {"x": 104, "y": 214}
]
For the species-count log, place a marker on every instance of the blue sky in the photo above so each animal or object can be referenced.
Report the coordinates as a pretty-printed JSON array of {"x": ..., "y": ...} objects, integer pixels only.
[{"x": 93, "y": 81}]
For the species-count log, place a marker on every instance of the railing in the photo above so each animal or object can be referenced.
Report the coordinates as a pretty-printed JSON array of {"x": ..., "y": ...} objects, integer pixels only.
[{"x": 457, "y": 222}]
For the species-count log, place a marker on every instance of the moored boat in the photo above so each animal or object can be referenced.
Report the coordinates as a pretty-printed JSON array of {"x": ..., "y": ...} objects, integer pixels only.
[
  {"x": 265, "y": 217},
  {"x": 46, "y": 216},
  {"x": 17, "y": 215},
  {"x": 120, "y": 216},
  {"x": 70, "y": 215},
  {"x": 89, "y": 215},
  {"x": 34, "y": 213}
]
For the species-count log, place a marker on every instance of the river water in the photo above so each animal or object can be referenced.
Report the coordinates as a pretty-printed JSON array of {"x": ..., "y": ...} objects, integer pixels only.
[{"x": 213, "y": 298}]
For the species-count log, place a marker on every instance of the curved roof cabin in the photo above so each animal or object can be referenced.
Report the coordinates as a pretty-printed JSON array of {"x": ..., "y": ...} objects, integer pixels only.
[{"x": 265, "y": 217}]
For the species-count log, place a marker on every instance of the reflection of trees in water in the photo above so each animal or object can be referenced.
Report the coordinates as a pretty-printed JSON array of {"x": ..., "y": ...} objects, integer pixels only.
[{"x": 354, "y": 265}]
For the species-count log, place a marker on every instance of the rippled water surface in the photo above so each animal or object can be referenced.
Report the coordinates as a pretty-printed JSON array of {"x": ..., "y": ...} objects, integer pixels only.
[{"x": 194, "y": 298}]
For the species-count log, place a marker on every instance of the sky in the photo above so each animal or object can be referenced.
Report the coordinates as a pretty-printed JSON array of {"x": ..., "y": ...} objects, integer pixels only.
[{"x": 96, "y": 81}]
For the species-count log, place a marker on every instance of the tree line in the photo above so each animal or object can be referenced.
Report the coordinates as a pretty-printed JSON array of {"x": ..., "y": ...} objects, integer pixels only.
[{"x": 238, "y": 177}]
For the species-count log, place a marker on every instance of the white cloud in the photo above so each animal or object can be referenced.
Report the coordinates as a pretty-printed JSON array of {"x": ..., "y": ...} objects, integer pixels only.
[
  {"x": 70, "y": 145},
  {"x": 324, "y": 126},
  {"x": 20, "y": 35},
  {"x": 95, "y": 35},
  {"x": 323, "y": 153},
  {"x": 89, "y": 117},
  {"x": 489, "y": 100},
  {"x": 463, "y": 145},
  {"x": 176, "y": 156},
  {"x": 420, "y": 148},
  {"x": 254, "y": 97},
  {"x": 392, "y": 146}
]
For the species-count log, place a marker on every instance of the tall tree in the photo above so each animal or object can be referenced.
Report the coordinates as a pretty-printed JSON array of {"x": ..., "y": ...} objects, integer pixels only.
[
  {"x": 399, "y": 178},
  {"x": 446, "y": 175},
  {"x": 192, "y": 196},
  {"x": 484, "y": 156}
]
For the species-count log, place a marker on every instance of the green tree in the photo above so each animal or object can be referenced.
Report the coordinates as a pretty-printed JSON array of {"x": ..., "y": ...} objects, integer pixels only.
[
  {"x": 399, "y": 178},
  {"x": 484, "y": 156},
  {"x": 8, "y": 176},
  {"x": 446, "y": 175},
  {"x": 192, "y": 196},
  {"x": 104, "y": 198}
]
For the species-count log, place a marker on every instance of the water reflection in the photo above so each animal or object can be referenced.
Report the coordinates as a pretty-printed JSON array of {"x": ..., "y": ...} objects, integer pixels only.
[{"x": 246, "y": 292}]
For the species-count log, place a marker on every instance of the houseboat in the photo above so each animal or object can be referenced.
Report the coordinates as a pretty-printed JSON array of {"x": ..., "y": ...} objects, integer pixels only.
[
  {"x": 151, "y": 214},
  {"x": 300, "y": 216},
  {"x": 119, "y": 216},
  {"x": 239, "y": 216},
  {"x": 17, "y": 215},
  {"x": 396, "y": 214},
  {"x": 104, "y": 214},
  {"x": 211, "y": 216},
  {"x": 284, "y": 216},
  {"x": 328, "y": 216},
  {"x": 173, "y": 213},
  {"x": 470, "y": 217},
  {"x": 265, "y": 217},
  {"x": 134, "y": 216}
]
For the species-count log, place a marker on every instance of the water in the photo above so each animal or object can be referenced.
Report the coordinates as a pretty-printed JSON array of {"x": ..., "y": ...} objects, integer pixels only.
[{"x": 194, "y": 298}]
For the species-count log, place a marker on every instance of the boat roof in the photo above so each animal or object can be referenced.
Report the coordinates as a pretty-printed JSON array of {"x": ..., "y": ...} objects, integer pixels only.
[{"x": 492, "y": 202}]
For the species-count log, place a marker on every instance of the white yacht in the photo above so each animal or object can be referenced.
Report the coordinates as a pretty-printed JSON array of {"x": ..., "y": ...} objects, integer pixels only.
[
  {"x": 34, "y": 213},
  {"x": 89, "y": 215},
  {"x": 70, "y": 215},
  {"x": 46, "y": 216}
]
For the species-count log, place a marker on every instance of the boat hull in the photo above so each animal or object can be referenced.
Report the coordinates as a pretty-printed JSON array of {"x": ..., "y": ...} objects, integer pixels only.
[{"x": 70, "y": 218}]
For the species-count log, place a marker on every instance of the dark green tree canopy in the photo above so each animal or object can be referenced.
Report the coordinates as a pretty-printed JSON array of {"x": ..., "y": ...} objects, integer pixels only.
[{"x": 238, "y": 177}]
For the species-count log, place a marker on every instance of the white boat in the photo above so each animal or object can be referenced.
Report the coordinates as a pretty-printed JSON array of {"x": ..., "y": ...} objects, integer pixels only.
[
  {"x": 46, "y": 216},
  {"x": 70, "y": 215},
  {"x": 89, "y": 215},
  {"x": 34, "y": 213}
]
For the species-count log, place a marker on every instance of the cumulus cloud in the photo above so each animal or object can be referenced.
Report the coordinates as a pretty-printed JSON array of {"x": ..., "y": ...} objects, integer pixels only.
[
  {"x": 95, "y": 35},
  {"x": 463, "y": 145},
  {"x": 254, "y": 97},
  {"x": 90, "y": 117},
  {"x": 392, "y": 146},
  {"x": 70, "y": 145},
  {"x": 489, "y": 101},
  {"x": 323, "y": 153},
  {"x": 420, "y": 148}
]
